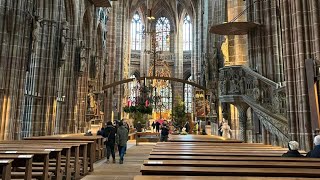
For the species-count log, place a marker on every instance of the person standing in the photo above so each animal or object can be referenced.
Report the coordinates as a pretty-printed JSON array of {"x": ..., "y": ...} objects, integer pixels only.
[
  {"x": 157, "y": 126},
  {"x": 121, "y": 140},
  {"x": 187, "y": 126},
  {"x": 153, "y": 126},
  {"x": 110, "y": 135},
  {"x": 164, "y": 132},
  {"x": 139, "y": 127}
]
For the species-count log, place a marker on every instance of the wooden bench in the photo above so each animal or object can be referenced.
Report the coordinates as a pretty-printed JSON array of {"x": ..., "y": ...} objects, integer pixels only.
[
  {"x": 222, "y": 171},
  {"x": 5, "y": 166},
  {"x": 232, "y": 158},
  {"x": 214, "y": 178},
  {"x": 247, "y": 164},
  {"x": 147, "y": 135}
]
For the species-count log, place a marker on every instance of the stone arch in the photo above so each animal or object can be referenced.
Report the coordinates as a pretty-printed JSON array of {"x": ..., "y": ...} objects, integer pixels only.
[
  {"x": 141, "y": 11},
  {"x": 167, "y": 12},
  {"x": 136, "y": 73},
  {"x": 186, "y": 74}
]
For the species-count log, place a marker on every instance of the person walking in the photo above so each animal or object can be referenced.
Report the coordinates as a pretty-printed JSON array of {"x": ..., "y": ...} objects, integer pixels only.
[
  {"x": 110, "y": 137},
  {"x": 121, "y": 140}
]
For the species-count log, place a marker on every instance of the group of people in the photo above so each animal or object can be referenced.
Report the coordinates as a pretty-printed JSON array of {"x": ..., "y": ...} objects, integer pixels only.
[
  {"x": 156, "y": 126},
  {"x": 294, "y": 146},
  {"x": 115, "y": 136}
]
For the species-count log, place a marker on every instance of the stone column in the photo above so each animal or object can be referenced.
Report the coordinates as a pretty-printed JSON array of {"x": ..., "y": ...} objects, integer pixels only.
[
  {"x": 264, "y": 134},
  {"x": 242, "y": 111}
]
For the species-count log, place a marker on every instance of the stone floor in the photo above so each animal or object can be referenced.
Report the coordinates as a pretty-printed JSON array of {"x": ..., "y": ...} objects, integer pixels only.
[{"x": 131, "y": 167}]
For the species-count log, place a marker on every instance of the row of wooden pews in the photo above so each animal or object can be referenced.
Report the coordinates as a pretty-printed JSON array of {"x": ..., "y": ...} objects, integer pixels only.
[
  {"x": 69, "y": 156},
  {"x": 197, "y": 158}
]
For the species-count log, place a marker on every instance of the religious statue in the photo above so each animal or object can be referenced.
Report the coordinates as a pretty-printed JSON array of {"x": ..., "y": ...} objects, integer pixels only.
[
  {"x": 256, "y": 90},
  {"x": 35, "y": 33},
  {"x": 83, "y": 62},
  {"x": 242, "y": 85},
  {"x": 91, "y": 103},
  {"x": 226, "y": 130},
  {"x": 64, "y": 37}
]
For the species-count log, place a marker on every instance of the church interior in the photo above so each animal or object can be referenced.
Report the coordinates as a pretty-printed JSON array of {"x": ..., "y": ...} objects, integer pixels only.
[{"x": 237, "y": 82}]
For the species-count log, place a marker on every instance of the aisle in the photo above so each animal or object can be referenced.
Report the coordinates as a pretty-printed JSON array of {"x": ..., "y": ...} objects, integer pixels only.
[{"x": 131, "y": 167}]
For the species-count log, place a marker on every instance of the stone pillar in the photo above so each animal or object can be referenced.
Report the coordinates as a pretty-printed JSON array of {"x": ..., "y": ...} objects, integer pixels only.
[
  {"x": 264, "y": 135},
  {"x": 242, "y": 111}
]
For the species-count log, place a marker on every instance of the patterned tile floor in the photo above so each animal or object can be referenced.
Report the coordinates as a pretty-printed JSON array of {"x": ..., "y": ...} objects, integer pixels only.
[{"x": 131, "y": 167}]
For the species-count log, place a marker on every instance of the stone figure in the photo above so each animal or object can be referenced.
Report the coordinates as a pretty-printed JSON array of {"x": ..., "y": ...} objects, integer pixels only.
[
  {"x": 83, "y": 59},
  {"x": 242, "y": 85},
  {"x": 256, "y": 90},
  {"x": 35, "y": 33},
  {"x": 226, "y": 131},
  {"x": 64, "y": 37}
]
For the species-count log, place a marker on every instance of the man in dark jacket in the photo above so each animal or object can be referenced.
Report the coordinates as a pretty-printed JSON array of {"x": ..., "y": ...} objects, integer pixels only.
[
  {"x": 157, "y": 126},
  {"x": 164, "y": 132},
  {"x": 121, "y": 140},
  {"x": 110, "y": 135},
  {"x": 315, "y": 153},
  {"x": 293, "y": 150}
]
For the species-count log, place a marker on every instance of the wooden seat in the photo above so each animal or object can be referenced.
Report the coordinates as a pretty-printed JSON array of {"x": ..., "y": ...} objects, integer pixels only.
[
  {"x": 5, "y": 167},
  {"x": 215, "y": 178},
  {"x": 222, "y": 171}
]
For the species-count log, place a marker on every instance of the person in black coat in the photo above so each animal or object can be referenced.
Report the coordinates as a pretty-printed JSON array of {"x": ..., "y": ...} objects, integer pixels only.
[
  {"x": 315, "y": 153},
  {"x": 110, "y": 135},
  {"x": 187, "y": 126},
  {"x": 293, "y": 150},
  {"x": 153, "y": 126},
  {"x": 139, "y": 127},
  {"x": 157, "y": 126}
]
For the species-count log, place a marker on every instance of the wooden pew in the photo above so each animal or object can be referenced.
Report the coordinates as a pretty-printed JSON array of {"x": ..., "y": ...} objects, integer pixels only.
[
  {"x": 66, "y": 151},
  {"x": 18, "y": 161},
  {"x": 5, "y": 166},
  {"x": 222, "y": 171},
  {"x": 227, "y": 164},
  {"x": 144, "y": 135},
  {"x": 216, "y": 178},
  {"x": 53, "y": 153},
  {"x": 93, "y": 147},
  {"x": 245, "y": 154},
  {"x": 232, "y": 158}
]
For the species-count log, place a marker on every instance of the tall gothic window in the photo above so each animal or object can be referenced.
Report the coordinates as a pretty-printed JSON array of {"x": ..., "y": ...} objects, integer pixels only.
[
  {"x": 187, "y": 34},
  {"x": 188, "y": 94},
  {"x": 163, "y": 34},
  {"x": 136, "y": 32}
]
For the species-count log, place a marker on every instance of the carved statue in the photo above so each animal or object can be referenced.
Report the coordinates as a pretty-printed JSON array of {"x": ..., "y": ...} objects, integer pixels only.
[
  {"x": 83, "y": 59},
  {"x": 242, "y": 86},
  {"x": 64, "y": 37},
  {"x": 256, "y": 90},
  {"x": 35, "y": 33}
]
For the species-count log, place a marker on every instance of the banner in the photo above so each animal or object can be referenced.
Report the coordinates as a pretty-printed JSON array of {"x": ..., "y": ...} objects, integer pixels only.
[{"x": 200, "y": 107}]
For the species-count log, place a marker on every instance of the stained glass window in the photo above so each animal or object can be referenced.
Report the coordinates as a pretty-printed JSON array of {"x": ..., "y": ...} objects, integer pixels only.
[
  {"x": 163, "y": 99},
  {"x": 136, "y": 32},
  {"x": 187, "y": 34},
  {"x": 188, "y": 94},
  {"x": 163, "y": 34}
]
